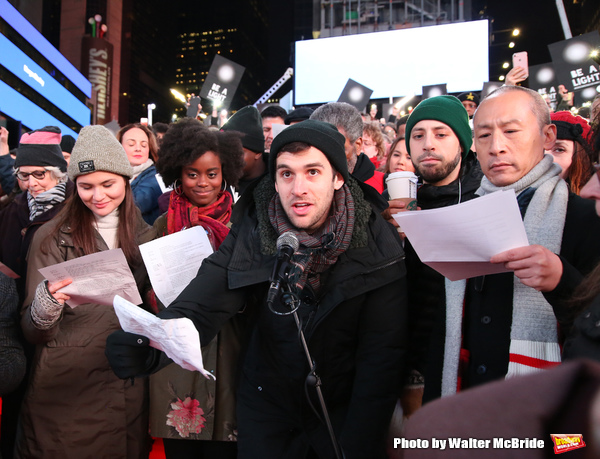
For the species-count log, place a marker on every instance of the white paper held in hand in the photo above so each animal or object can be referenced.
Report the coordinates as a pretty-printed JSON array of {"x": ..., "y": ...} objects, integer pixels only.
[
  {"x": 97, "y": 278},
  {"x": 173, "y": 261},
  {"x": 178, "y": 338},
  {"x": 458, "y": 241}
]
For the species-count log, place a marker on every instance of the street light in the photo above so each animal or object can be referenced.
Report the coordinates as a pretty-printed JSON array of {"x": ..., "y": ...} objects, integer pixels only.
[
  {"x": 150, "y": 108},
  {"x": 516, "y": 32},
  {"x": 178, "y": 96}
]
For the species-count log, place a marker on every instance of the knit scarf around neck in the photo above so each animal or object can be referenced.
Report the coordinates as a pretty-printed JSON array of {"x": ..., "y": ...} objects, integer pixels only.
[
  {"x": 213, "y": 218},
  {"x": 534, "y": 334},
  {"x": 137, "y": 170},
  {"x": 322, "y": 248},
  {"x": 43, "y": 202}
]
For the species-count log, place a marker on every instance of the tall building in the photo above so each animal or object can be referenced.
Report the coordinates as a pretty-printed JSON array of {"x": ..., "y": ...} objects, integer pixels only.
[
  {"x": 148, "y": 45},
  {"x": 237, "y": 31}
]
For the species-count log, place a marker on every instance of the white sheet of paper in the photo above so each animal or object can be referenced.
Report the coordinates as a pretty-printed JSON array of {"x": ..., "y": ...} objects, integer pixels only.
[
  {"x": 173, "y": 261},
  {"x": 97, "y": 278},
  {"x": 458, "y": 241},
  {"x": 178, "y": 338}
]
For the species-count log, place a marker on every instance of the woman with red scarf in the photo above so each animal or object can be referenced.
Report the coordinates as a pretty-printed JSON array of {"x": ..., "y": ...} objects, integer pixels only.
[{"x": 196, "y": 416}]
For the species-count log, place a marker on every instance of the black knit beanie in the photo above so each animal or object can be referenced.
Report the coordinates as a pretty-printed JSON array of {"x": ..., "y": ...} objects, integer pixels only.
[
  {"x": 41, "y": 148},
  {"x": 248, "y": 122},
  {"x": 300, "y": 114},
  {"x": 319, "y": 134},
  {"x": 447, "y": 109},
  {"x": 67, "y": 143}
]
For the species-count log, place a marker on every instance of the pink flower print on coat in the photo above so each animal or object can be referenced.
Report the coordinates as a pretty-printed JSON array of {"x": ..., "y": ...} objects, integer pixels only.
[{"x": 186, "y": 417}]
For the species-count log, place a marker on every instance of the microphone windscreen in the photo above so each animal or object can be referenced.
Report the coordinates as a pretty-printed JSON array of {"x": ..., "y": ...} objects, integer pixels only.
[{"x": 288, "y": 239}]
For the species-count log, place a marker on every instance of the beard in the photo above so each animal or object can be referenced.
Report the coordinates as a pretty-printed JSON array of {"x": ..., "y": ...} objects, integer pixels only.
[{"x": 440, "y": 172}]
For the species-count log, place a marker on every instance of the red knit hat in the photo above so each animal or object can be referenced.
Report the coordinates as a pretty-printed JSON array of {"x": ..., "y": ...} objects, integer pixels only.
[{"x": 571, "y": 127}]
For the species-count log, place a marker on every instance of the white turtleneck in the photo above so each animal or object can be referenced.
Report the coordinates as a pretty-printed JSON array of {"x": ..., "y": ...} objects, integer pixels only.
[{"x": 107, "y": 227}]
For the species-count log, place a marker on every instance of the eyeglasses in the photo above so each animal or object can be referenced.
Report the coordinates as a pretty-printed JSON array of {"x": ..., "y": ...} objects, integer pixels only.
[{"x": 24, "y": 176}]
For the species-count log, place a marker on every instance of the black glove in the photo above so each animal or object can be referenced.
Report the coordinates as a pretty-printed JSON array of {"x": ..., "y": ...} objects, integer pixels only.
[{"x": 130, "y": 355}]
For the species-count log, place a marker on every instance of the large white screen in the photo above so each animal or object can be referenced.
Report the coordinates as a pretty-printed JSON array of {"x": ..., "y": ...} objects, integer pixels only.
[{"x": 394, "y": 63}]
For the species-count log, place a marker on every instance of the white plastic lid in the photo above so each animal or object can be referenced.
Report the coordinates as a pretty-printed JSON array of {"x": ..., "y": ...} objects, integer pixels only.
[{"x": 401, "y": 174}]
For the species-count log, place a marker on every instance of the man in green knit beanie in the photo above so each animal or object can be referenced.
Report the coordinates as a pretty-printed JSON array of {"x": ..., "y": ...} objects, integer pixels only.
[
  {"x": 438, "y": 136},
  {"x": 438, "y": 139}
]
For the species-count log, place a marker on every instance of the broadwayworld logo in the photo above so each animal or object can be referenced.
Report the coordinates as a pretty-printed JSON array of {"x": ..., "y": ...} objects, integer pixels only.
[{"x": 564, "y": 442}]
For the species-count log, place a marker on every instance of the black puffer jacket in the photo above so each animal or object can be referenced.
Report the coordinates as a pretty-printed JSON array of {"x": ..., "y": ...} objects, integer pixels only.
[{"x": 355, "y": 330}]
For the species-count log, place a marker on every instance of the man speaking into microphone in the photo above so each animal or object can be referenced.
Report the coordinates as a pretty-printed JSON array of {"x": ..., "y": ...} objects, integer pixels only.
[{"x": 341, "y": 292}]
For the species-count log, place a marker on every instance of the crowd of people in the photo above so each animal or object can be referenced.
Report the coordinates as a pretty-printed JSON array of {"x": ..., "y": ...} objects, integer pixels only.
[{"x": 330, "y": 346}]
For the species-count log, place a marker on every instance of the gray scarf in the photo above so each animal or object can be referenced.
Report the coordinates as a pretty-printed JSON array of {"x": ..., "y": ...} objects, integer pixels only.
[
  {"x": 534, "y": 335},
  {"x": 45, "y": 201}
]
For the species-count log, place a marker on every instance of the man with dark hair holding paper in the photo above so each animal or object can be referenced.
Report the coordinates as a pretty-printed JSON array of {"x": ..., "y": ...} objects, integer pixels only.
[
  {"x": 509, "y": 324},
  {"x": 347, "y": 281}
]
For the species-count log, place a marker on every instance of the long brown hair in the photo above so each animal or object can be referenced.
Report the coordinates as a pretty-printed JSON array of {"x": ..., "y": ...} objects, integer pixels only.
[
  {"x": 80, "y": 219},
  {"x": 586, "y": 291},
  {"x": 581, "y": 169}
]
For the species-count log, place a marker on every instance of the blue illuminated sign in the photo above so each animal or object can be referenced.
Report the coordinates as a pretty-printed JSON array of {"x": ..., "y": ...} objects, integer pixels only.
[
  {"x": 27, "y": 70},
  {"x": 18, "y": 107},
  {"x": 37, "y": 40}
]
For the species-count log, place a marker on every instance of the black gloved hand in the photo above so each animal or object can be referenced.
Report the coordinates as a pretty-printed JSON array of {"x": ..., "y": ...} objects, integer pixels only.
[{"x": 130, "y": 355}]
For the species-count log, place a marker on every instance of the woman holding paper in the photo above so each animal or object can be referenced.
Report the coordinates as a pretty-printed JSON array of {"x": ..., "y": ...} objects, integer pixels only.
[
  {"x": 183, "y": 404},
  {"x": 74, "y": 406}
]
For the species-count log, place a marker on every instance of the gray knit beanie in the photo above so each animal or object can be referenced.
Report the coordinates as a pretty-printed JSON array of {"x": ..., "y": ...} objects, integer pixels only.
[{"x": 97, "y": 149}]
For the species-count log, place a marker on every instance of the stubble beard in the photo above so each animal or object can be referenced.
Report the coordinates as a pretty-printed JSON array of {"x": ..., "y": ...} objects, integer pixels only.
[{"x": 437, "y": 174}]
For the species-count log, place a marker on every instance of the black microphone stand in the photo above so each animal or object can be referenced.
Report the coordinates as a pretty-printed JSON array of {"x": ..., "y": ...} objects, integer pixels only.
[{"x": 291, "y": 300}]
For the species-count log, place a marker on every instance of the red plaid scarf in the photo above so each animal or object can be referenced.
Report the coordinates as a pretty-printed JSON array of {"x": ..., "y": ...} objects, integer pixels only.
[
  {"x": 213, "y": 218},
  {"x": 322, "y": 248}
]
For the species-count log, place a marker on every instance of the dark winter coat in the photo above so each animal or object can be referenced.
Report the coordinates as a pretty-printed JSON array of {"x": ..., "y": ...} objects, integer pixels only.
[
  {"x": 426, "y": 292},
  {"x": 12, "y": 354},
  {"x": 355, "y": 330},
  {"x": 489, "y": 299},
  {"x": 75, "y": 405},
  {"x": 16, "y": 233},
  {"x": 7, "y": 175},
  {"x": 146, "y": 192}
]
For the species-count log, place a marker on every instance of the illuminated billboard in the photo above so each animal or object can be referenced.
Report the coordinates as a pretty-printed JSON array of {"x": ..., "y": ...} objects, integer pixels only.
[
  {"x": 393, "y": 63},
  {"x": 30, "y": 90}
]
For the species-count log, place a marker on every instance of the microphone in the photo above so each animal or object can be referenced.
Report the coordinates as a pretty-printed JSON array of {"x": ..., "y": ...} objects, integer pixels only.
[{"x": 287, "y": 244}]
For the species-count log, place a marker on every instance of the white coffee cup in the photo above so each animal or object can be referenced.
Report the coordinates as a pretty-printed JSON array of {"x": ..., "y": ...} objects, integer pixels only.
[{"x": 403, "y": 185}]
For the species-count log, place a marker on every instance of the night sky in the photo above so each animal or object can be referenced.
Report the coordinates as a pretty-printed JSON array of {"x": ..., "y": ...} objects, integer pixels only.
[{"x": 538, "y": 21}]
